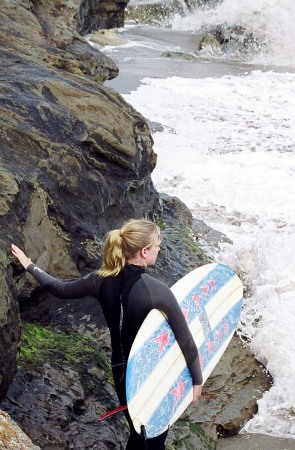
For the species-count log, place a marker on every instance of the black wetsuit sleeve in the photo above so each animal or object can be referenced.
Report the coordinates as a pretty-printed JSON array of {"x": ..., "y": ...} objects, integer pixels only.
[
  {"x": 82, "y": 287},
  {"x": 164, "y": 300}
]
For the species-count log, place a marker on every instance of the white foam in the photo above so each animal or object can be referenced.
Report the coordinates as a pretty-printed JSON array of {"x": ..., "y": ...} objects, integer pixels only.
[{"x": 228, "y": 152}]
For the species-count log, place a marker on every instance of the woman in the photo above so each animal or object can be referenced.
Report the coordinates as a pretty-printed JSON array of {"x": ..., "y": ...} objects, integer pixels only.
[{"x": 127, "y": 294}]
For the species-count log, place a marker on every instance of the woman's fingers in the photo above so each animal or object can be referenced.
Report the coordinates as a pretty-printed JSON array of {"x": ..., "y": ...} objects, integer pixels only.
[{"x": 19, "y": 254}]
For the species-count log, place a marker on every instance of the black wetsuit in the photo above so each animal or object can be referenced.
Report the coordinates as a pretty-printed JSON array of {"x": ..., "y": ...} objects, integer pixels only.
[{"x": 126, "y": 300}]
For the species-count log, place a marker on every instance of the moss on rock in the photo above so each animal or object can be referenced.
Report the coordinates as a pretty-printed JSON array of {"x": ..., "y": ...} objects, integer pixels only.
[{"x": 41, "y": 344}]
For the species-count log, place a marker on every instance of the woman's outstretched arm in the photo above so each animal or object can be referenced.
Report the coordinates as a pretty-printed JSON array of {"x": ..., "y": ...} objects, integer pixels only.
[{"x": 82, "y": 287}]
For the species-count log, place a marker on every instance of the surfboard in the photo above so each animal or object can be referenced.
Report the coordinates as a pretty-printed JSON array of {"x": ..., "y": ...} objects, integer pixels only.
[{"x": 158, "y": 382}]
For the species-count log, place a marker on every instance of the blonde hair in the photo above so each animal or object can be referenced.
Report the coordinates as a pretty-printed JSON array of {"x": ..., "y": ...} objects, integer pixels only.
[{"x": 123, "y": 244}]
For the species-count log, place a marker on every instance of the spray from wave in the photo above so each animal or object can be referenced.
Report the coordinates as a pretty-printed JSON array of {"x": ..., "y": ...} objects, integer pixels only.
[{"x": 260, "y": 32}]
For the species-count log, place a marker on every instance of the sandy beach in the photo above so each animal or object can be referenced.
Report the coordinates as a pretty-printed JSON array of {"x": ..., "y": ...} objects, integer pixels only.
[{"x": 255, "y": 441}]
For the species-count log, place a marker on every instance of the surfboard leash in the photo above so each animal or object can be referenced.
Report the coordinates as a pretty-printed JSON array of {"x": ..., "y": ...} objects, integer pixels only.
[
  {"x": 122, "y": 408},
  {"x": 113, "y": 411}
]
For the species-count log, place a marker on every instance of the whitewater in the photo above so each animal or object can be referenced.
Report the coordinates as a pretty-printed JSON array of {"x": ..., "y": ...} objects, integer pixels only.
[{"x": 227, "y": 150}]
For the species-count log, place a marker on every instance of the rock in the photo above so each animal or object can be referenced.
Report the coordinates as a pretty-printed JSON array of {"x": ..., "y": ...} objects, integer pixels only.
[
  {"x": 107, "y": 37},
  {"x": 155, "y": 12},
  {"x": 226, "y": 39},
  {"x": 210, "y": 41},
  {"x": 209, "y": 238},
  {"x": 9, "y": 323},
  {"x": 178, "y": 55},
  {"x": 101, "y": 14},
  {"x": 61, "y": 388},
  {"x": 180, "y": 250},
  {"x": 58, "y": 20},
  {"x": 46, "y": 35},
  {"x": 11, "y": 437},
  {"x": 231, "y": 392},
  {"x": 63, "y": 136}
]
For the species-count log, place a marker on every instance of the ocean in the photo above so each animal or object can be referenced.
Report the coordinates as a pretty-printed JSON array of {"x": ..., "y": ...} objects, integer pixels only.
[{"x": 227, "y": 150}]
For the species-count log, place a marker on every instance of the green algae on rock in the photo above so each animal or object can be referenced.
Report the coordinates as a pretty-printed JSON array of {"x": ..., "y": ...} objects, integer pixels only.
[{"x": 41, "y": 344}]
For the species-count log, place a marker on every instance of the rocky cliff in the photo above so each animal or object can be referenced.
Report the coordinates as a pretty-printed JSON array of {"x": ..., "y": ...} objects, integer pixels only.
[
  {"x": 73, "y": 154},
  {"x": 76, "y": 161}
]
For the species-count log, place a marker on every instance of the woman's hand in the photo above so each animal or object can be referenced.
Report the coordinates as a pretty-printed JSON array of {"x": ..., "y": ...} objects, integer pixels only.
[
  {"x": 197, "y": 392},
  {"x": 19, "y": 254}
]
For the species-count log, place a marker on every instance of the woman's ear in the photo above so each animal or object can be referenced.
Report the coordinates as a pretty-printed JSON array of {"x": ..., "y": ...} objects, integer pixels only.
[{"x": 143, "y": 252}]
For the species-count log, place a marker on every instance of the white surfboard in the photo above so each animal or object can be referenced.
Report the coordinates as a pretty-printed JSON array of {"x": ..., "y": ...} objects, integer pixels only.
[{"x": 158, "y": 381}]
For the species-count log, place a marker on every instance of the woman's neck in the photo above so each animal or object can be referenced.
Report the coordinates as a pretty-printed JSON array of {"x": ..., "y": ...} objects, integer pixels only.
[{"x": 137, "y": 262}]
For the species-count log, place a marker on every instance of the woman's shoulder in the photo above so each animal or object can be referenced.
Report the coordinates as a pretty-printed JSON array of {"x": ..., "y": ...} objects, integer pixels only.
[
  {"x": 93, "y": 278},
  {"x": 152, "y": 281}
]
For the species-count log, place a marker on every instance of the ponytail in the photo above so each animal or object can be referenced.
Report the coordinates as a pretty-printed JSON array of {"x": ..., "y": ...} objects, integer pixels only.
[
  {"x": 114, "y": 260},
  {"x": 121, "y": 245}
]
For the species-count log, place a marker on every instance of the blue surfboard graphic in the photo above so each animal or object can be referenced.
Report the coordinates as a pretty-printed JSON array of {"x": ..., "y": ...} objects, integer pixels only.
[{"x": 201, "y": 294}]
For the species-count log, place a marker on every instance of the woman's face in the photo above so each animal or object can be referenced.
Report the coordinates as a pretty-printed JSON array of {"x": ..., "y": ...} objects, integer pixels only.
[{"x": 152, "y": 252}]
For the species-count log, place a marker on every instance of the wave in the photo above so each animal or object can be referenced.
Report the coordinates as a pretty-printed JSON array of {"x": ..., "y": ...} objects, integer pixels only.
[{"x": 268, "y": 23}]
